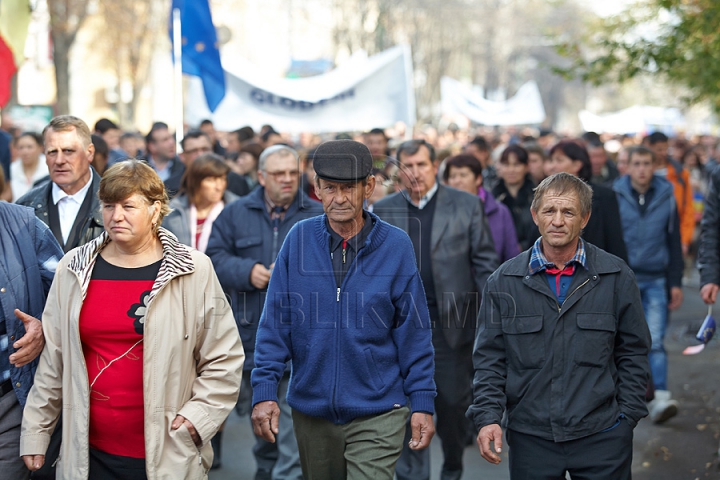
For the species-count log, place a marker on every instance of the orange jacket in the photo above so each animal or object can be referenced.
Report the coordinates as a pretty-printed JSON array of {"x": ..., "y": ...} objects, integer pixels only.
[{"x": 684, "y": 200}]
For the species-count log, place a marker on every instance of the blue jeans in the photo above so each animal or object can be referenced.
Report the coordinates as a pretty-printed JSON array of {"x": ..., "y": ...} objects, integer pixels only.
[{"x": 655, "y": 304}]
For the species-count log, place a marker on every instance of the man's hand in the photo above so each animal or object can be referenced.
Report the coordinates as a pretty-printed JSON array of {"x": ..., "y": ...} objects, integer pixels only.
[
  {"x": 490, "y": 433},
  {"x": 259, "y": 276},
  {"x": 265, "y": 417},
  {"x": 31, "y": 344},
  {"x": 423, "y": 429},
  {"x": 180, "y": 420},
  {"x": 33, "y": 462},
  {"x": 709, "y": 292},
  {"x": 676, "y": 298}
]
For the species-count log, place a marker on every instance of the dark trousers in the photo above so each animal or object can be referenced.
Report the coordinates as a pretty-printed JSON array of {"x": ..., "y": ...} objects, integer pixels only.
[
  {"x": 453, "y": 379},
  {"x": 11, "y": 465},
  {"x": 602, "y": 456}
]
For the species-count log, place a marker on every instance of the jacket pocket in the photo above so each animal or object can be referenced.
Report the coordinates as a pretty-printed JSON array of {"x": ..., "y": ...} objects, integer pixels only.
[
  {"x": 524, "y": 341},
  {"x": 247, "y": 242},
  {"x": 595, "y": 336}
]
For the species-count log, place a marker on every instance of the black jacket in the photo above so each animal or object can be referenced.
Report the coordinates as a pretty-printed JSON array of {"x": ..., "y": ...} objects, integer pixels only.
[
  {"x": 527, "y": 231},
  {"x": 92, "y": 224},
  {"x": 708, "y": 259},
  {"x": 562, "y": 372},
  {"x": 604, "y": 228},
  {"x": 242, "y": 236}
]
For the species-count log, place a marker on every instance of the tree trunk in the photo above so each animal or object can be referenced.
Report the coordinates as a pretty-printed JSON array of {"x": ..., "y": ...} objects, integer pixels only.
[{"x": 61, "y": 49}]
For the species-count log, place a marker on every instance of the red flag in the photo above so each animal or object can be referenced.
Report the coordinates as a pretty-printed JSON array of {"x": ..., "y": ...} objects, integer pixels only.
[{"x": 14, "y": 21}]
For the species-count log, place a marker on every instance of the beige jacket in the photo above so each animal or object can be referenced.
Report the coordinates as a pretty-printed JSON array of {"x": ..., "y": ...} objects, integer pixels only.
[{"x": 192, "y": 365}]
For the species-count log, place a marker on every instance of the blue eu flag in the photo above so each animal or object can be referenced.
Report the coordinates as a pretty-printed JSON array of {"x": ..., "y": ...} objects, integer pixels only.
[{"x": 200, "y": 50}]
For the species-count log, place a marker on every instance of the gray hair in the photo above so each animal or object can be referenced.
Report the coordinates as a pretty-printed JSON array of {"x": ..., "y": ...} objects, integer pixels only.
[
  {"x": 563, "y": 183},
  {"x": 282, "y": 150}
]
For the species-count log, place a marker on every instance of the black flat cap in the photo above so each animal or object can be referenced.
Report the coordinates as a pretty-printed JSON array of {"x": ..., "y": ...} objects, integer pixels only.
[{"x": 342, "y": 161}]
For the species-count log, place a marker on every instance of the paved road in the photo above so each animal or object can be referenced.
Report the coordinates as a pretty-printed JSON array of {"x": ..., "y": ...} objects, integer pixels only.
[{"x": 684, "y": 448}]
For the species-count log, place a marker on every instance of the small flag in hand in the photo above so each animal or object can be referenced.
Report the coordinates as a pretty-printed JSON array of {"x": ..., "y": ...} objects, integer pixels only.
[{"x": 704, "y": 335}]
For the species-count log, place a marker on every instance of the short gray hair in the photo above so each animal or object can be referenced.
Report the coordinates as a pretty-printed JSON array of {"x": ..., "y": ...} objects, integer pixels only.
[
  {"x": 563, "y": 183},
  {"x": 283, "y": 150}
]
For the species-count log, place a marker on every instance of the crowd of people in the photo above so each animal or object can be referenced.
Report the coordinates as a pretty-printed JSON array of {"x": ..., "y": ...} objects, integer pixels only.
[{"x": 341, "y": 291}]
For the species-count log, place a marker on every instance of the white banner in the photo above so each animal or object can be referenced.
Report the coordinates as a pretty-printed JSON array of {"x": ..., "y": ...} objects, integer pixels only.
[
  {"x": 363, "y": 93},
  {"x": 636, "y": 119},
  {"x": 525, "y": 108}
]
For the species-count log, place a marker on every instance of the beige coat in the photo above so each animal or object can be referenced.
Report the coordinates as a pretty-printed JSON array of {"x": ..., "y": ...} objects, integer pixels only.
[{"x": 192, "y": 365}]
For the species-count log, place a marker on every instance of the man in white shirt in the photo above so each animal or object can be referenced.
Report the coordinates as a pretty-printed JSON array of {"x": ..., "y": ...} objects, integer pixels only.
[{"x": 68, "y": 203}]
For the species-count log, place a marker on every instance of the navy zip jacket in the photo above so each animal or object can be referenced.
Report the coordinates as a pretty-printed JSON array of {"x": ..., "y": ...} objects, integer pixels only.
[{"x": 361, "y": 349}]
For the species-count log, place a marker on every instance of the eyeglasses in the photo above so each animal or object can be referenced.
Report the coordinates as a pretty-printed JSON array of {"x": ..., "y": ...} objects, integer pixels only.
[{"x": 293, "y": 174}]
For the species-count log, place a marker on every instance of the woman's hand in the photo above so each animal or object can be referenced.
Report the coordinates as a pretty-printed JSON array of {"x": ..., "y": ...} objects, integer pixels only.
[
  {"x": 179, "y": 420},
  {"x": 33, "y": 462}
]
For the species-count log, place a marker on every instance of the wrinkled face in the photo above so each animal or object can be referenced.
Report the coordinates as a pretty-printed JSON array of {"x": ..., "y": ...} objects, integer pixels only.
[
  {"x": 68, "y": 160},
  {"x": 559, "y": 219},
  {"x": 130, "y": 222},
  {"x": 559, "y": 162},
  {"x": 513, "y": 171},
  {"x": 281, "y": 178},
  {"x": 464, "y": 179},
  {"x": 163, "y": 145},
  {"x": 28, "y": 149},
  {"x": 343, "y": 202},
  {"x": 194, "y": 147},
  {"x": 660, "y": 149},
  {"x": 211, "y": 190},
  {"x": 417, "y": 173},
  {"x": 640, "y": 169},
  {"x": 377, "y": 144}
]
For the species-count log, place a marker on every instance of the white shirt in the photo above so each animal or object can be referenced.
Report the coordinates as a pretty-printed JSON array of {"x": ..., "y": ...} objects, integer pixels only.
[
  {"x": 19, "y": 182},
  {"x": 424, "y": 199},
  {"x": 68, "y": 206}
]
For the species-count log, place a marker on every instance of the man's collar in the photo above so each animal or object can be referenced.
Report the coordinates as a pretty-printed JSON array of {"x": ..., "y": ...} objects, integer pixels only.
[
  {"x": 425, "y": 199},
  {"x": 538, "y": 261},
  {"x": 58, "y": 194}
]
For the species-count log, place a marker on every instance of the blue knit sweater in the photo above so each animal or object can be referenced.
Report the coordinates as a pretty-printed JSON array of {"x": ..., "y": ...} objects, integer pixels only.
[{"x": 361, "y": 349}]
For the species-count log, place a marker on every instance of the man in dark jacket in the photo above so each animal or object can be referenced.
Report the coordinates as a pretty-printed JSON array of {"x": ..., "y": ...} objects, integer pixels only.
[
  {"x": 243, "y": 253},
  {"x": 709, "y": 242},
  {"x": 28, "y": 257},
  {"x": 68, "y": 202},
  {"x": 651, "y": 229},
  {"x": 562, "y": 344},
  {"x": 346, "y": 306},
  {"x": 455, "y": 253}
]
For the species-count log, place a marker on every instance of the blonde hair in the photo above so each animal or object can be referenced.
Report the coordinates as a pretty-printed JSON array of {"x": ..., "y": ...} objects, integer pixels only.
[{"x": 68, "y": 123}]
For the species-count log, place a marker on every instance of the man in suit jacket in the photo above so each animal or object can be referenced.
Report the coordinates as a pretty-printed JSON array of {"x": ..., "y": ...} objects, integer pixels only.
[{"x": 455, "y": 254}]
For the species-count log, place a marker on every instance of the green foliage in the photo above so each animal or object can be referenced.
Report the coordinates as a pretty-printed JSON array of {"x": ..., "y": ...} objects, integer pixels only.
[{"x": 678, "y": 40}]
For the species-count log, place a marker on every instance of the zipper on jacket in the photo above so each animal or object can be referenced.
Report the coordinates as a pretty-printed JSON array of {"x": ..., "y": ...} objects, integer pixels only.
[
  {"x": 338, "y": 294},
  {"x": 578, "y": 288},
  {"x": 275, "y": 239}
]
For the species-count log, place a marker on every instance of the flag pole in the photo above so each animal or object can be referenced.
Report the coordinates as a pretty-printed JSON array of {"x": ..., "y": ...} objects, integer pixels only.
[{"x": 177, "y": 78}]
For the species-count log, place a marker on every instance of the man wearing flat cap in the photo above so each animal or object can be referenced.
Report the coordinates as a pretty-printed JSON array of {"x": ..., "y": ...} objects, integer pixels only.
[{"x": 347, "y": 308}]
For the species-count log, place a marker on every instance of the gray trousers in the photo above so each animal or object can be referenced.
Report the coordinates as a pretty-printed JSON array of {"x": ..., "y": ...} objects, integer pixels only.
[
  {"x": 11, "y": 465},
  {"x": 281, "y": 459}
]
